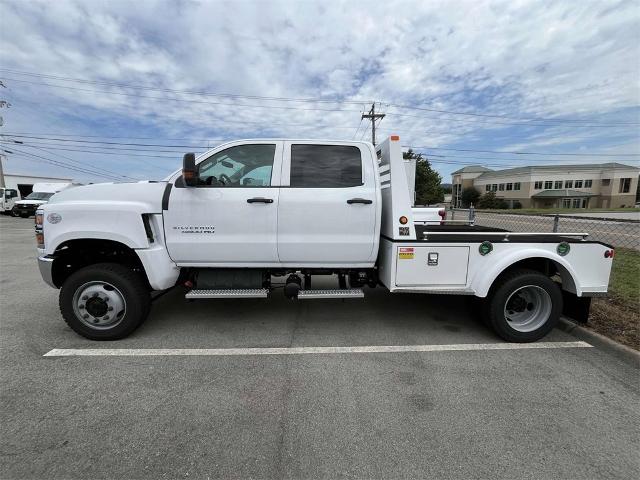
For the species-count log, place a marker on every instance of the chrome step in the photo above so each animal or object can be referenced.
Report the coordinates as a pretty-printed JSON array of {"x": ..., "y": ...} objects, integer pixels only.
[
  {"x": 311, "y": 294},
  {"x": 237, "y": 293}
]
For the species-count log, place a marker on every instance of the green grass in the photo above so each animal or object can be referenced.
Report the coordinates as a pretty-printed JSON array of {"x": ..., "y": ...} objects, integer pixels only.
[
  {"x": 625, "y": 276},
  {"x": 568, "y": 211}
]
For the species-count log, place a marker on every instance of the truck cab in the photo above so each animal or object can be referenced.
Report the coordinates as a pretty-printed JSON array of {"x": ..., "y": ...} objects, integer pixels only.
[{"x": 257, "y": 204}]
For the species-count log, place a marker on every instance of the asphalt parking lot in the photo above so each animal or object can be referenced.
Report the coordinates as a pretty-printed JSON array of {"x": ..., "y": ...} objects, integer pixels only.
[{"x": 522, "y": 413}]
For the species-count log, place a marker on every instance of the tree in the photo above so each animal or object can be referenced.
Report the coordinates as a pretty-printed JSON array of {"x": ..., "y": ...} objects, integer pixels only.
[
  {"x": 490, "y": 201},
  {"x": 469, "y": 196},
  {"x": 428, "y": 188}
]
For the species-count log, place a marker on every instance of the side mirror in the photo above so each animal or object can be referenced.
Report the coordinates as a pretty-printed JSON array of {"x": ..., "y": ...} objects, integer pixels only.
[{"x": 189, "y": 172}]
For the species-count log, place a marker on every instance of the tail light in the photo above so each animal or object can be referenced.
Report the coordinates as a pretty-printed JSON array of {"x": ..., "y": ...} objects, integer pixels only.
[
  {"x": 609, "y": 253},
  {"x": 443, "y": 215}
]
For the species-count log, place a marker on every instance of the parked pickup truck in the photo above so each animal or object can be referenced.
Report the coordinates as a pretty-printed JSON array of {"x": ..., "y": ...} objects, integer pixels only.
[
  {"x": 251, "y": 211},
  {"x": 40, "y": 195}
]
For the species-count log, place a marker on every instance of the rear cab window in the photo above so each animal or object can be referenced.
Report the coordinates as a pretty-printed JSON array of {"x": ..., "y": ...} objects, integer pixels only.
[{"x": 325, "y": 166}]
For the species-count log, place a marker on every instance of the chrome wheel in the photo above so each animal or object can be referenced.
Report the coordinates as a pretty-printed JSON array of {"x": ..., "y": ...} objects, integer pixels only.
[
  {"x": 99, "y": 305},
  {"x": 528, "y": 308}
]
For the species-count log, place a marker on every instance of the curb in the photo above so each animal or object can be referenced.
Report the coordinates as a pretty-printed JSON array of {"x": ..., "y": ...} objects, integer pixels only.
[{"x": 621, "y": 351}]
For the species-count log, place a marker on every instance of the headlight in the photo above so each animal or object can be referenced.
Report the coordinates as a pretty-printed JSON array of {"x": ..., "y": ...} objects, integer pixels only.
[{"x": 39, "y": 229}]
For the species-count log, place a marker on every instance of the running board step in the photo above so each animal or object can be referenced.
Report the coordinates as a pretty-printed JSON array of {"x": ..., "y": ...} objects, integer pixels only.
[
  {"x": 310, "y": 294},
  {"x": 237, "y": 293}
]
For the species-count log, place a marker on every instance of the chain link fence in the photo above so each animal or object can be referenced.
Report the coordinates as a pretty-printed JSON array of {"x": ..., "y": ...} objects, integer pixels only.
[{"x": 613, "y": 231}]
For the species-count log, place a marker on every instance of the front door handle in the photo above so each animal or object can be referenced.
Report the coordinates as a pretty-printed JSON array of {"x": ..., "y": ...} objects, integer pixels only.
[
  {"x": 259, "y": 200},
  {"x": 366, "y": 201}
]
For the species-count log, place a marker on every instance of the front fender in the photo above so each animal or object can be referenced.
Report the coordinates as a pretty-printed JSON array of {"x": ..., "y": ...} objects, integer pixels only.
[
  {"x": 486, "y": 276},
  {"x": 118, "y": 221}
]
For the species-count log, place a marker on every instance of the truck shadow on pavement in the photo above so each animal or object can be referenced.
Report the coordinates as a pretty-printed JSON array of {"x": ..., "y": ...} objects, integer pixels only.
[{"x": 381, "y": 318}]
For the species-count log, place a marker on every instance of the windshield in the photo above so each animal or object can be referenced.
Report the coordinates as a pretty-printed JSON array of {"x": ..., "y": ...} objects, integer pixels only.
[{"x": 39, "y": 196}]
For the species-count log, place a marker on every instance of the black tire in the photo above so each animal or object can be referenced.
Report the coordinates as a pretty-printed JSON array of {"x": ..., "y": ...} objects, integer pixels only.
[
  {"x": 128, "y": 283},
  {"x": 495, "y": 307},
  {"x": 14, "y": 213}
]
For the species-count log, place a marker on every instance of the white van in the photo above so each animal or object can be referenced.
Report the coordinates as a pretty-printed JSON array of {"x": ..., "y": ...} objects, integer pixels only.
[
  {"x": 8, "y": 197},
  {"x": 40, "y": 195}
]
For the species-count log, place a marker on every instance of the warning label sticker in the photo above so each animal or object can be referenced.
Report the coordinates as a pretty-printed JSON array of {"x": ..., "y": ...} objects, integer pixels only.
[{"x": 405, "y": 253}]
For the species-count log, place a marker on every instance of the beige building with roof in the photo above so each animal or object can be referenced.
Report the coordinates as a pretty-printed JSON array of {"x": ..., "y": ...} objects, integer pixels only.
[{"x": 606, "y": 185}]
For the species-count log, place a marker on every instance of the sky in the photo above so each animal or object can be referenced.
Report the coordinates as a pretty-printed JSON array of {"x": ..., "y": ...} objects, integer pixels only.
[{"x": 120, "y": 90}]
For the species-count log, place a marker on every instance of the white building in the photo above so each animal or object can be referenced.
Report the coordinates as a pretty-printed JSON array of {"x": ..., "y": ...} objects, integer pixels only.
[{"x": 24, "y": 183}]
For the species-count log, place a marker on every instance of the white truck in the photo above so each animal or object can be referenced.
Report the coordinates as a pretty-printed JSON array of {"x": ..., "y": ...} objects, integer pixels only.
[
  {"x": 8, "y": 197},
  {"x": 251, "y": 211},
  {"x": 40, "y": 195}
]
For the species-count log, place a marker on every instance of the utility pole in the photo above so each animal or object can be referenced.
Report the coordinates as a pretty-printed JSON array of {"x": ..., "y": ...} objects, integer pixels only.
[
  {"x": 2, "y": 185},
  {"x": 373, "y": 116}
]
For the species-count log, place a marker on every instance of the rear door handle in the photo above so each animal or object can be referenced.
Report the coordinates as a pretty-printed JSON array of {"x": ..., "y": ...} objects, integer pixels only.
[
  {"x": 351, "y": 201},
  {"x": 259, "y": 200}
]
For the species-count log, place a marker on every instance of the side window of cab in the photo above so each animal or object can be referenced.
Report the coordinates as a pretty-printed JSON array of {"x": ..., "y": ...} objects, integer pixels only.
[{"x": 239, "y": 166}]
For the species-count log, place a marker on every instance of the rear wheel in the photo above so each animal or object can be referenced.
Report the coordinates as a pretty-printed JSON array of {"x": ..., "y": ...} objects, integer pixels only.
[
  {"x": 105, "y": 301},
  {"x": 524, "y": 306}
]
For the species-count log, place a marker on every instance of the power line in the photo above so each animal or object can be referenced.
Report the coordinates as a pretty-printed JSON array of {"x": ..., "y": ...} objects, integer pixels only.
[
  {"x": 107, "y": 143},
  {"x": 305, "y": 100},
  {"x": 164, "y": 99},
  {"x": 65, "y": 165},
  {"x": 506, "y": 117},
  {"x": 186, "y": 92},
  {"x": 493, "y": 122},
  {"x": 110, "y": 147},
  {"x": 572, "y": 154},
  {"x": 358, "y": 128},
  {"x": 110, "y": 172}
]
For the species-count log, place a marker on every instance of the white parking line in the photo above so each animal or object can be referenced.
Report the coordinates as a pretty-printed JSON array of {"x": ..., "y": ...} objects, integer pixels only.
[{"x": 136, "y": 352}]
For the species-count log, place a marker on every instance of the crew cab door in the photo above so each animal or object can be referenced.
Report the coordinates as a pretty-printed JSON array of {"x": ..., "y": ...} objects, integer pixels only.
[
  {"x": 230, "y": 217},
  {"x": 328, "y": 205}
]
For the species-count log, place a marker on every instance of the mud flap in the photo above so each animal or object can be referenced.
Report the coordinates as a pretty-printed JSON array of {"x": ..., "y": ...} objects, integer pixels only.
[{"x": 576, "y": 308}]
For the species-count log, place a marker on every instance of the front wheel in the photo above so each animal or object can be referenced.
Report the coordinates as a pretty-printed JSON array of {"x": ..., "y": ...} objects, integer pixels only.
[
  {"x": 524, "y": 306},
  {"x": 105, "y": 301}
]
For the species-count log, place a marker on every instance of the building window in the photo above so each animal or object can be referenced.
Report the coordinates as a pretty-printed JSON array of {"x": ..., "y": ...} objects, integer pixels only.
[
  {"x": 488, "y": 187},
  {"x": 548, "y": 184},
  {"x": 577, "y": 202},
  {"x": 578, "y": 184},
  {"x": 538, "y": 186},
  {"x": 606, "y": 182},
  {"x": 501, "y": 187},
  {"x": 588, "y": 183},
  {"x": 516, "y": 186},
  {"x": 558, "y": 185},
  {"x": 494, "y": 187},
  {"x": 569, "y": 183},
  {"x": 566, "y": 203},
  {"x": 625, "y": 185},
  {"x": 509, "y": 186}
]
